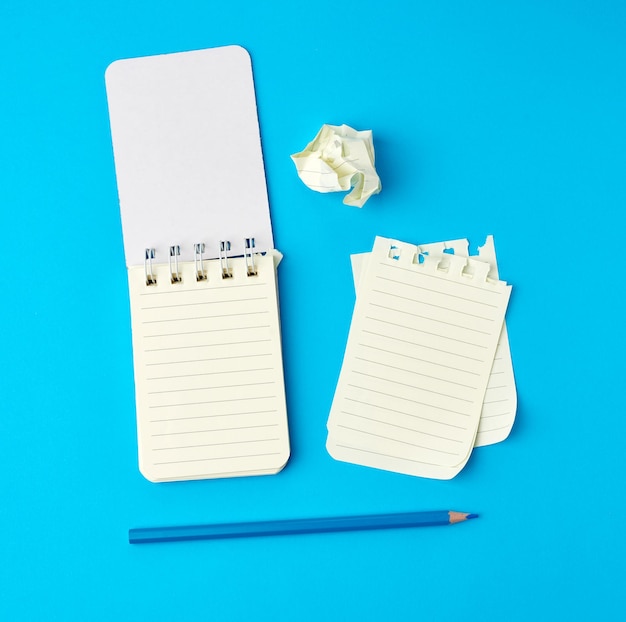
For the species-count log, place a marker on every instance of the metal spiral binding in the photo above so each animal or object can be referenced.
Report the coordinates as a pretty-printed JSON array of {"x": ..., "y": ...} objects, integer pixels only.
[
  {"x": 200, "y": 268},
  {"x": 248, "y": 254},
  {"x": 175, "y": 275},
  {"x": 201, "y": 274},
  {"x": 147, "y": 265},
  {"x": 227, "y": 273}
]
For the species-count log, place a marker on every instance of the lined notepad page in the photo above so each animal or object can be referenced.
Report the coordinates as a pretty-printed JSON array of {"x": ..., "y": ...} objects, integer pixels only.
[
  {"x": 500, "y": 402},
  {"x": 208, "y": 373},
  {"x": 417, "y": 362}
]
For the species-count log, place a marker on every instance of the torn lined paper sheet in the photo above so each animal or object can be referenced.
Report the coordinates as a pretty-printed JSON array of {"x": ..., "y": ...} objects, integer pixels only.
[
  {"x": 417, "y": 362},
  {"x": 500, "y": 403},
  {"x": 340, "y": 157}
]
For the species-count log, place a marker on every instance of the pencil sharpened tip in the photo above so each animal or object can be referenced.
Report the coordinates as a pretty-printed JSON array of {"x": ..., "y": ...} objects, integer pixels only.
[{"x": 459, "y": 517}]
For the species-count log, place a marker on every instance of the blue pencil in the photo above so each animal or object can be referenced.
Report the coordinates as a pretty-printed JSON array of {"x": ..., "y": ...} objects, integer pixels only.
[{"x": 296, "y": 526}]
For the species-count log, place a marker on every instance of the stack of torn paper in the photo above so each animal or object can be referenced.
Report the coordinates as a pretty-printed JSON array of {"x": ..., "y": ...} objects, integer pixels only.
[{"x": 427, "y": 373}]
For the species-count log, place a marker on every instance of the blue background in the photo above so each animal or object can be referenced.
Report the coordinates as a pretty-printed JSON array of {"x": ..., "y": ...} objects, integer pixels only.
[{"x": 488, "y": 117}]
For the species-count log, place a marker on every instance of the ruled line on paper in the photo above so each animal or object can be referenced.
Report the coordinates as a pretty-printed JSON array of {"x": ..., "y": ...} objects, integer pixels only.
[
  {"x": 396, "y": 440},
  {"x": 425, "y": 432},
  {"x": 413, "y": 386},
  {"x": 412, "y": 371},
  {"x": 208, "y": 345},
  {"x": 421, "y": 345},
  {"x": 228, "y": 457},
  {"x": 425, "y": 332},
  {"x": 234, "y": 399},
  {"x": 436, "y": 276},
  {"x": 203, "y": 303},
  {"x": 430, "y": 319},
  {"x": 211, "y": 430},
  {"x": 406, "y": 399},
  {"x": 402, "y": 427},
  {"x": 187, "y": 290},
  {"x": 434, "y": 291},
  {"x": 430, "y": 304},
  {"x": 201, "y": 332},
  {"x": 366, "y": 345},
  {"x": 495, "y": 415},
  {"x": 378, "y": 453},
  {"x": 216, "y": 358},
  {"x": 401, "y": 412},
  {"x": 210, "y": 373},
  {"x": 222, "y": 444},
  {"x": 224, "y": 386},
  {"x": 390, "y": 451},
  {"x": 203, "y": 317},
  {"x": 502, "y": 427},
  {"x": 215, "y": 415}
]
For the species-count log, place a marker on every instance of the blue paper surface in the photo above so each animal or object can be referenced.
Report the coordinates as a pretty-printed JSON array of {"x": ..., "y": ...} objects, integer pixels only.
[{"x": 487, "y": 118}]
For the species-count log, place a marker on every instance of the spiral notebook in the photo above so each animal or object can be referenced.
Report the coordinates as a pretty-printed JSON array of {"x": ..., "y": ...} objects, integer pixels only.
[
  {"x": 209, "y": 387},
  {"x": 420, "y": 350}
]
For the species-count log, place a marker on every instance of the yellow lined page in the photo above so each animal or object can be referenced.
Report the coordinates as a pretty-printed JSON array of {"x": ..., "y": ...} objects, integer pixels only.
[
  {"x": 500, "y": 402},
  {"x": 208, "y": 372},
  {"x": 417, "y": 362}
]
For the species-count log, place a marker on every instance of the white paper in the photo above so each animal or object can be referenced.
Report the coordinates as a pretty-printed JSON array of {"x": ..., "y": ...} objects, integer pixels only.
[
  {"x": 417, "y": 362},
  {"x": 188, "y": 153},
  {"x": 336, "y": 159},
  {"x": 208, "y": 372},
  {"x": 500, "y": 403}
]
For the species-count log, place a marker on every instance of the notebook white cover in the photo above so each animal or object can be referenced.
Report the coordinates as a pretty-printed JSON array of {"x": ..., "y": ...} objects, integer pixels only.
[{"x": 188, "y": 152}]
